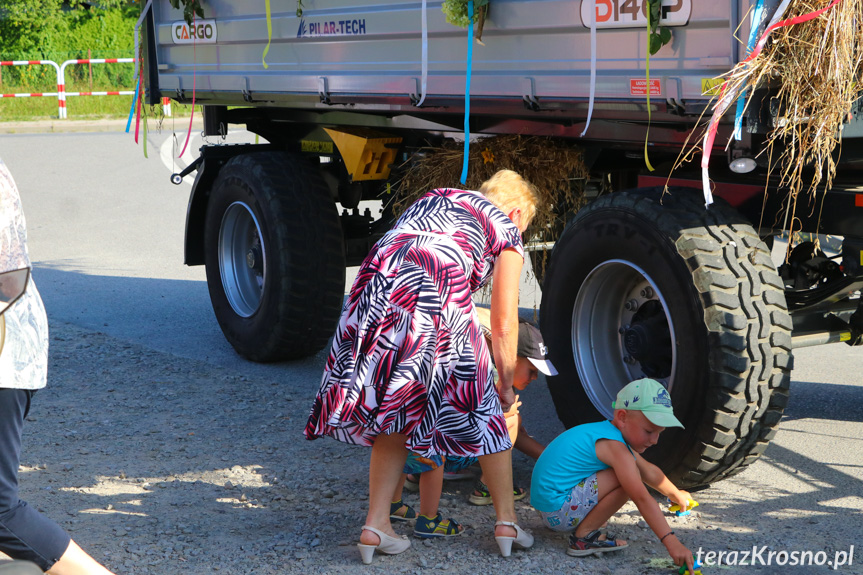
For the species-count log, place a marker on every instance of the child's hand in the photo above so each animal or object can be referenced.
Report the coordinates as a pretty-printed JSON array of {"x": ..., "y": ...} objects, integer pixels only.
[
  {"x": 679, "y": 553},
  {"x": 682, "y": 498}
]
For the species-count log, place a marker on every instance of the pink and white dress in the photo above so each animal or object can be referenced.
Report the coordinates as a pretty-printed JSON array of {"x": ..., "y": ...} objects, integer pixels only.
[{"x": 409, "y": 355}]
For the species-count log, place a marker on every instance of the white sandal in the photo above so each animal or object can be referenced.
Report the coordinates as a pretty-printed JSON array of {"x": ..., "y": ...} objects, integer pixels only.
[
  {"x": 522, "y": 539},
  {"x": 389, "y": 545}
]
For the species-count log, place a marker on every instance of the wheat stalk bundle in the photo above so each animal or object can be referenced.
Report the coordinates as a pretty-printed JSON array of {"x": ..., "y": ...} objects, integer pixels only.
[
  {"x": 814, "y": 71},
  {"x": 550, "y": 165}
]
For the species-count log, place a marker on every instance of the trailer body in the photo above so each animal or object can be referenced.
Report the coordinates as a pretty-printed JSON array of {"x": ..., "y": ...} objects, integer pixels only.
[{"x": 644, "y": 281}]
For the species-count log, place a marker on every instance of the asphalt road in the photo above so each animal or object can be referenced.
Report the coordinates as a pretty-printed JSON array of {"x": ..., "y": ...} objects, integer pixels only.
[
  {"x": 106, "y": 231},
  {"x": 106, "y": 234}
]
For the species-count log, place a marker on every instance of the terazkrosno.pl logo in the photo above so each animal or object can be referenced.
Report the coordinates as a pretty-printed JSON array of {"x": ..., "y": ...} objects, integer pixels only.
[{"x": 763, "y": 556}]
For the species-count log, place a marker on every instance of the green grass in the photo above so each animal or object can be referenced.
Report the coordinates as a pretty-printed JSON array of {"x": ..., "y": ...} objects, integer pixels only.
[{"x": 77, "y": 107}]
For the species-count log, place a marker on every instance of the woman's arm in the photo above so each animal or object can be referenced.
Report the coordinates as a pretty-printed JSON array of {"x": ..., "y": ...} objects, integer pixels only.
[{"x": 504, "y": 320}]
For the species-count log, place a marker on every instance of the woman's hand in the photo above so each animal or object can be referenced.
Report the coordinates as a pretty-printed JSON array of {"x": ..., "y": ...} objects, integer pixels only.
[{"x": 507, "y": 397}]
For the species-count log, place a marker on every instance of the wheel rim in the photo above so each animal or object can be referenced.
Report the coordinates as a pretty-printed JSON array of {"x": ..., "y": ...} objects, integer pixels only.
[
  {"x": 619, "y": 294},
  {"x": 242, "y": 259}
]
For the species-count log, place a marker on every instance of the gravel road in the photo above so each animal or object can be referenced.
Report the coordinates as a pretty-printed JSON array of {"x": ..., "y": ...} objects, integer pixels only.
[
  {"x": 189, "y": 460},
  {"x": 160, "y": 464}
]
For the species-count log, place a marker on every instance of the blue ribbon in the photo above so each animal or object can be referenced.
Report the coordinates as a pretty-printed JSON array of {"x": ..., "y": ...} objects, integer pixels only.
[
  {"x": 467, "y": 93},
  {"x": 757, "y": 16},
  {"x": 134, "y": 100}
]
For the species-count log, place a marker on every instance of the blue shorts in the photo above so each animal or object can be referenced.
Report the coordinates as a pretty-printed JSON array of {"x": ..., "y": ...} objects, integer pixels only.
[
  {"x": 576, "y": 506},
  {"x": 417, "y": 464},
  {"x": 454, "y": 464}
]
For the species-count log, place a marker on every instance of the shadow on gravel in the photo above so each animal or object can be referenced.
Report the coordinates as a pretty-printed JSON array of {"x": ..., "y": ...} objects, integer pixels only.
[
  {"x": 158, "y": 463},
  {"x": 146, "y": 310}
]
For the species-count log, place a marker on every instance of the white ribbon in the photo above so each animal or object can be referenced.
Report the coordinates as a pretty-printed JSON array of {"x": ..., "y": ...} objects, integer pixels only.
[
  {"x": 592, "y": 64},
  {"x": 425, "y": 56}
]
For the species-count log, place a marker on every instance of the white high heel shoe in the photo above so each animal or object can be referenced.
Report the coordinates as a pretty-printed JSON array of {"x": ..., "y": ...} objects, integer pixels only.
[
  {"x": 389, "y": 545},
  {"x": 522, "y": 539}
]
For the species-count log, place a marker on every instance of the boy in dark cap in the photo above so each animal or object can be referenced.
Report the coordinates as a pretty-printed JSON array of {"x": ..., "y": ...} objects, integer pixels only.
[
  {"x": 588, "y": 472},
  {"x": 531, "y": 361}
]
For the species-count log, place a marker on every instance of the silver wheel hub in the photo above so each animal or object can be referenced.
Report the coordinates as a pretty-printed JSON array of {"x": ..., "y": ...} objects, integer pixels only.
[
  {"x": 621, "y": 331},
  {"x": 242, "y": 259}
]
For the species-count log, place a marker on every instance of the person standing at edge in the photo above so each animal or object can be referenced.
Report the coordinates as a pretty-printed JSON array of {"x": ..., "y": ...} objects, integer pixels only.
[
  {"x": 409, "y": 368},
  {"x": 25, "y": 533}
]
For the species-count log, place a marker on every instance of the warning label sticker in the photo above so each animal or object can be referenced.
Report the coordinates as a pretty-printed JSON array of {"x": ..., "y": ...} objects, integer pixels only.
[
  {"x": 711, "y": 86},
  {"x": 638, "y": 87}
]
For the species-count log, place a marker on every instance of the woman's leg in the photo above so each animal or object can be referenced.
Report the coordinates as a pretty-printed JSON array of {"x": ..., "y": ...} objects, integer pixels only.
[
  {"x": 611, "y": 497},
  {"x": 385, "y": 470},
  {"x": 497, "y": 469}
]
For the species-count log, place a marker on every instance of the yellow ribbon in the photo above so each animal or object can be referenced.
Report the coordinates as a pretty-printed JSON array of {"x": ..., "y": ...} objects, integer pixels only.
[
  {"x": 647, "y": 75},
  {"x": 269, "y": 34}
]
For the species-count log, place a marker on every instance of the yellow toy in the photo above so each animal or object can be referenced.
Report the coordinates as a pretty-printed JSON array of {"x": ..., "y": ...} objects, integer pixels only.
[{"x": 675, "y": 508}]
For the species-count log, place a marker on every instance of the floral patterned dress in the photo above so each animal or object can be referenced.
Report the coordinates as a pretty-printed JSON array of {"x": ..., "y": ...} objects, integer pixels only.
[
  {"x": 409, "y": 355},
  {"x": 24, "y": 326}
]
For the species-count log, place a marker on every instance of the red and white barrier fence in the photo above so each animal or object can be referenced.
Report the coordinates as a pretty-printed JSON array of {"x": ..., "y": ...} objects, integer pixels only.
[
  {"x": 115, "y": 93},
  {"x": 61, "y": 88},
  {"x": 61, "y": 94},
  {"x": 29, "y": 95},
  {"x": 34, "y": 63}
]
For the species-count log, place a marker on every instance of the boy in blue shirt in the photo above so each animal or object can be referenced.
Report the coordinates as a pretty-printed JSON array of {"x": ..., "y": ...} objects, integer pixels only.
[{"x": 588, "y": 472}]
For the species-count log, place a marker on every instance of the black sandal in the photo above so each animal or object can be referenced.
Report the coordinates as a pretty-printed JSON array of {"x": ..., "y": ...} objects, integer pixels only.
[
  {"x": 481, "y": 495},
  {"x": 591, "y": 544}
]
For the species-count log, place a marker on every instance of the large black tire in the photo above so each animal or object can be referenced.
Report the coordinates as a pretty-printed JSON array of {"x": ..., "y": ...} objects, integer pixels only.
[
  {"x": 642, "y": 284},
  {"x": 274, "y": 256}
]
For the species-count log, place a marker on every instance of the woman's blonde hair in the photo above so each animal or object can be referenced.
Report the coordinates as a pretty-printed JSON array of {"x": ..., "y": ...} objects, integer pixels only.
[{"x": 508, "y": 191}]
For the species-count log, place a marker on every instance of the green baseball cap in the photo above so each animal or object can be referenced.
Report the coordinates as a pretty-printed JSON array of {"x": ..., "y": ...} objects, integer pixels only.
[{"x": 650, "y": 398}]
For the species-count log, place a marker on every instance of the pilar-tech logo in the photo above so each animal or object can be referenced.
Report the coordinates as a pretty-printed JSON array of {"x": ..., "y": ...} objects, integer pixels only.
[{"x": 331, "y": 28}]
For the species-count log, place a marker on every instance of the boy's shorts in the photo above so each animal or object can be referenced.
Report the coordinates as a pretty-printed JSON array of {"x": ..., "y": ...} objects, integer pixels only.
[
  {"x": 416, "y": 464},
  {"x": 577, "y": 505},
  {"x": 454, "y": 464}
]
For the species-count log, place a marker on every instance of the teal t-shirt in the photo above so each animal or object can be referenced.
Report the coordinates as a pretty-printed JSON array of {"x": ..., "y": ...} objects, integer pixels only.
[{"x": 567, "y": 460}]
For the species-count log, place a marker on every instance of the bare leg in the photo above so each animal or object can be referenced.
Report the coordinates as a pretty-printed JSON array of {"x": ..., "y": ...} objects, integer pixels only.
[
  {"x": 431, "y": 486},
  {"x": 397, "y": 494},
  {"x": 385, "y": 471},
  {"x": 611, "y": 498},
  {"x": 75, "y": 561},
  {"x": 497, "y": 469}
]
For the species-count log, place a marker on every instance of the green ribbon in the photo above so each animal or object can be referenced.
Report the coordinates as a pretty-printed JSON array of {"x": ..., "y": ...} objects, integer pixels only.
[
  {"x": 269, "y": 33},
  {"x": 647, "y": 91}
]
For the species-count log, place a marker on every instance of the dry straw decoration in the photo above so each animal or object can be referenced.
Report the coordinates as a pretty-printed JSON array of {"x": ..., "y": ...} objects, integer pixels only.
[
  {"x": 550, "y": 165},
  {"x": 813, "y": 69}
]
